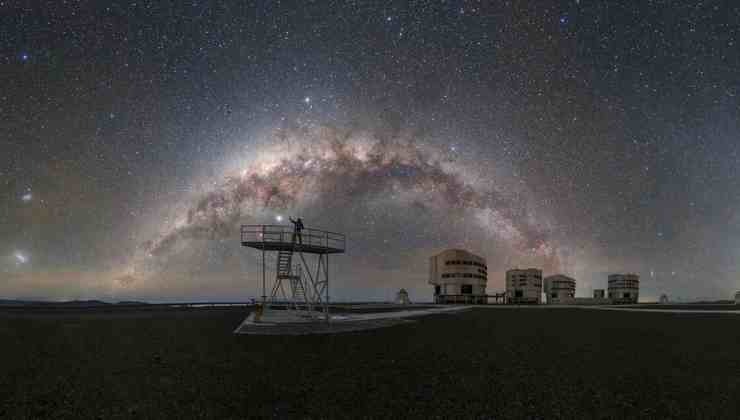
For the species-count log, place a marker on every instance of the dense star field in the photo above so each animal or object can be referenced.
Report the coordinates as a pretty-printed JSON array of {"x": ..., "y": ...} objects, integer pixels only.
[{"x": 583, "y": 137}]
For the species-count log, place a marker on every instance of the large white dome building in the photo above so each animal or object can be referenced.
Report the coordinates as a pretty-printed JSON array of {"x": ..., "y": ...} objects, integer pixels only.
[
  {"x": 560, "y": 289},
  {"x": 624, "y": 288},
  {"x": 458, "y": 276},
  {"x": 524, "y": 285}
]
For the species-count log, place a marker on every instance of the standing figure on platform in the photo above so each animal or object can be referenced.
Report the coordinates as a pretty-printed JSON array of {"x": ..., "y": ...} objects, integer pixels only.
[{"x": 297, "y": 228}]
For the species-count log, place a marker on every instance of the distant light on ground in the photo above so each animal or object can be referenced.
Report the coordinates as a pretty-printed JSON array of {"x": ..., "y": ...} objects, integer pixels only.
[
  {"x": 27, "y": 197},
  {"x": 279, "y": 218},
  {"x": 20, "y": 257}
]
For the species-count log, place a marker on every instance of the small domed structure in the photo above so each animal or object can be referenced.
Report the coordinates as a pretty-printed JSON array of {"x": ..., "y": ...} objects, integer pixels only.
[
  {"x": 402, "y": 297},
  {"x": 737, "y": 298},
  {"x": 663, "y": 298}
]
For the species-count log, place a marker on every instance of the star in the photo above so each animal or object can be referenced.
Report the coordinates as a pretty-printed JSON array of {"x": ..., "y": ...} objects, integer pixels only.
[{"x": 307, "y": 100}]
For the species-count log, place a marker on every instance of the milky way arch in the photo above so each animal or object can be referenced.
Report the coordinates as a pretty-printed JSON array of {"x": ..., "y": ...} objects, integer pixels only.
[{"x": 321, "y": 167}]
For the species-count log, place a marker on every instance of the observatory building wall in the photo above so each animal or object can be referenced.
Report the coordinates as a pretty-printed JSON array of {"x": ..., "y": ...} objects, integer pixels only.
[
  {"x": 458, "y": 276},
  {"x": 560, "y": 289},
  {"x": 524, "y": 285},
  {"x": 624, "y": 288}
]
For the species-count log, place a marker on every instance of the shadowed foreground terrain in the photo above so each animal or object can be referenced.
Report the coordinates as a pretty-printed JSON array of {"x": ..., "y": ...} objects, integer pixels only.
[{"x": 551, "y": 363}]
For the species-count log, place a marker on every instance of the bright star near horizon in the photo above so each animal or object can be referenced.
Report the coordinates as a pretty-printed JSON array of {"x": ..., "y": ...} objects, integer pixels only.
[
  {"x": 307, "y": 100},
  {"x": 279, "y": 218}
]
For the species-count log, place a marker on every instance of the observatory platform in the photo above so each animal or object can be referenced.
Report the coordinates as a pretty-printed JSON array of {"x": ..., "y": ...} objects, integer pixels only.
[
  {"x": 280, "y": 322},
  {"x": 301, "y": 268},
  {"x": 281, "y": 238}
]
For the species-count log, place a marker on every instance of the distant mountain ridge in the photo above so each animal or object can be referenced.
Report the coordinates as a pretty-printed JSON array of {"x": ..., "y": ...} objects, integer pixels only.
[{"x": 73, "y": 303}]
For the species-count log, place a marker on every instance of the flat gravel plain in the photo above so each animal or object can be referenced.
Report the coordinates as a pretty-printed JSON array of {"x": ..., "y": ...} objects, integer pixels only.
[
  {"x": 513, "y": 363},
  {"x": 687, "y": 307}
]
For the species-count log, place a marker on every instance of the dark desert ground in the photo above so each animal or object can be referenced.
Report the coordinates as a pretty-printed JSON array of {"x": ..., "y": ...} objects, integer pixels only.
[{"x": 505, "y": 363}]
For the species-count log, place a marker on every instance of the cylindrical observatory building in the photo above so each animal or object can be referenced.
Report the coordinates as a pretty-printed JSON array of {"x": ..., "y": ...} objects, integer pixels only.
[
  {"x": 458, "y": 276},
  {"x": 560, "y": 289},
  {"x": 524, "y": 285},
  {"x": 623, "y": 288}
]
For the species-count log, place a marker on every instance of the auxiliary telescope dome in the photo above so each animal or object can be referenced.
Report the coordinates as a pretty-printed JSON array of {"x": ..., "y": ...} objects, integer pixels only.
[{"x": 402, "y": 297}]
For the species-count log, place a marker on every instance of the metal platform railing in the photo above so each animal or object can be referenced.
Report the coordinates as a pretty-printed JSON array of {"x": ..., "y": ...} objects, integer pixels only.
[{"x": 281, "y": 234}]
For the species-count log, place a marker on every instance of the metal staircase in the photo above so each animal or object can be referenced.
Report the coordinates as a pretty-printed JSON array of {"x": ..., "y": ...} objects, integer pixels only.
[
  {"x": 284, "y": 263},
  {"x": 297, "y": 290},
  {"x": 297, "y": 296}
]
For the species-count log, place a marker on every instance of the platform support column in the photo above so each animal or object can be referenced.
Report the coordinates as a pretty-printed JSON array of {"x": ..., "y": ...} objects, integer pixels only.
[{"x": 326, "y": 272}]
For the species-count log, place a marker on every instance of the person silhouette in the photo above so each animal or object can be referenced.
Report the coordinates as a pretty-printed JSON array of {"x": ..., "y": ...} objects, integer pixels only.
[{"x": 297, "y": 228}]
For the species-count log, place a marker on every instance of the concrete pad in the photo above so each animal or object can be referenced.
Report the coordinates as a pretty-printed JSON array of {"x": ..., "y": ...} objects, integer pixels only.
[{"x": 288, "y": 323}]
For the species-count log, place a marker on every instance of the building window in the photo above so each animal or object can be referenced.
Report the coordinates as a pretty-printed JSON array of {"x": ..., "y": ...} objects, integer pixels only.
[
  {"x": 466, "y": 289},
  {"x": 554, "y": 295}
]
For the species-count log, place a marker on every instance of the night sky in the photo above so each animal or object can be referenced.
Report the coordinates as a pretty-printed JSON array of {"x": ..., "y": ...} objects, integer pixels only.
[{"x": 583, "y": 137}]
